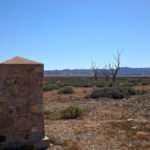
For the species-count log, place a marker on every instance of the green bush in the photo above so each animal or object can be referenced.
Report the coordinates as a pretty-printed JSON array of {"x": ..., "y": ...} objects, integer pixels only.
[
  {"x": 66, "y": 90},
  {"x": 112, "y": 92},
  {"x": 72, "y": 112}
]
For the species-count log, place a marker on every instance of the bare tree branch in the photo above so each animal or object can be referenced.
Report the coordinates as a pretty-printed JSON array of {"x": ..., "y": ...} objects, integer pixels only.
[
  {"x": 105, "y": 72},
  {"x": 94, "y": 70},
  {"x": 115, "y": 67}
]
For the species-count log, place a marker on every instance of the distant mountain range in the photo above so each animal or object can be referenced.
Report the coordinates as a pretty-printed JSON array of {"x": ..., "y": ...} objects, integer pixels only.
[{"x": 125, "y": 71}]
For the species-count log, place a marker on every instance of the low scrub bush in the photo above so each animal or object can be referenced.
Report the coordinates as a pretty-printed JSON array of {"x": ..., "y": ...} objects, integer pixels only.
[
  {"x": 66, "y": 90},
  {"x": 72, "y": 112},
  {"x": 50, "y": 87},
  {"x": 112, "y": 92},
  {"x": 141, "y": 92},
  {"x": 145, "y": 83},
  {"x": 71, "y": 145},
  {"x": 52, "y": 115}
]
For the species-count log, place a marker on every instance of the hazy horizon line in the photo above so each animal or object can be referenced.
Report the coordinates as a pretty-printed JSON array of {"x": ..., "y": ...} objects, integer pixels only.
[{"x": 91, "y": 69}]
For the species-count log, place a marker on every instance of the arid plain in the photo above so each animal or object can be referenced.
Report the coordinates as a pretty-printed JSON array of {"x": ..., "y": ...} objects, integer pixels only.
[{"x": 101, "y": 123}]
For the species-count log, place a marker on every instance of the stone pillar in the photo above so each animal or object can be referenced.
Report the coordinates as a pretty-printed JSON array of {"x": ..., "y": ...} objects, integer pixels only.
[{"x": 21, "y": 106}]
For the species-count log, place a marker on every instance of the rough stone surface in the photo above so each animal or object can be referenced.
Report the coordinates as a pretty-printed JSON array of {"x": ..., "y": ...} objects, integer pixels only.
[{"x": 21, "y": 112}]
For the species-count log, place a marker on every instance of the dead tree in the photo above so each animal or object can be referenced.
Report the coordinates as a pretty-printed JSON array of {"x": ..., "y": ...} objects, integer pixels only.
[
  {"x": 105, "y": 73},
  {"x": 94, "y": 69},
  {"x": 115, "y": 67}
]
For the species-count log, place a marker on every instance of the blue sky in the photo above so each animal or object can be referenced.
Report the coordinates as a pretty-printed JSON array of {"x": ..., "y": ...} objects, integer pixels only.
[{"x": 72, "y": 33}]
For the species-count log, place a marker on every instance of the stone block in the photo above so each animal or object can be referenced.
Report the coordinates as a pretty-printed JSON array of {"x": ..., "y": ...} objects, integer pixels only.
[{"x": 21, "y": 114}]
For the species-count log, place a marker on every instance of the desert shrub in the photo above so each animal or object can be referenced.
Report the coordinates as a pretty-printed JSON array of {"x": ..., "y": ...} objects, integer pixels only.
[
  {"x": 52, "y": 115},
  {"x": 106, "y": 92},
  {"x": 74, "y": 81},
  {"x": 112, "y": 92},
  {"x": 101, "y": 84},
  {"x": 71, "y": 145},
  {"x": 145, "y": 82},
  {"x": 126, "y": 84},
  {"x": 135, "y": 81},
  {"x": 66, "y": 90},
  {"x": 56, "y": 140},
  {"x": 127, "y": 91},
  {"x": 71, "y": 112},
  {"x": 50, "y": 87},
  {"x": 141, "y": 92}
]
